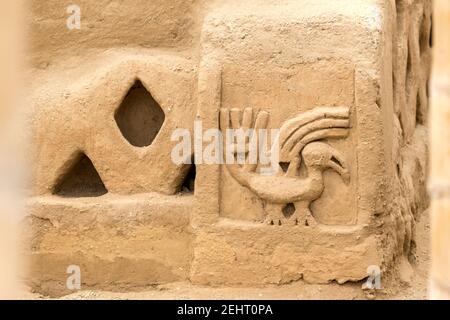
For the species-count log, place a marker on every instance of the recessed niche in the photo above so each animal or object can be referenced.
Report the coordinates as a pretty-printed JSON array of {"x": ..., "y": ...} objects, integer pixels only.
[
  {"x": 139, "y": 117},
  {"x": 80, "y": 180},
  {"x": 188, "y": 185}
]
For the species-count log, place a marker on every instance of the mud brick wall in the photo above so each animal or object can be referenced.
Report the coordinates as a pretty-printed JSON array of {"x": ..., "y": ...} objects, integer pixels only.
[{"x": 345, "y": 82}]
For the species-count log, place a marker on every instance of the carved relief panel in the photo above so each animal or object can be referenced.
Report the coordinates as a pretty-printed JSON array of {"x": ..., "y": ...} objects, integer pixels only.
[{"x": 310, "y": 99}]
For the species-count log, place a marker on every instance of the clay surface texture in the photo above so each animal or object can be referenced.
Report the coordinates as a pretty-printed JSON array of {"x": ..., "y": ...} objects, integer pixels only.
[{"x": 343, "y": 84}]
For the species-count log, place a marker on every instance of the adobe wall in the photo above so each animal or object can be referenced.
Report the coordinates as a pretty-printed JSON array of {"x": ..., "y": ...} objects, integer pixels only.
[{"x": 345, "y": 82}]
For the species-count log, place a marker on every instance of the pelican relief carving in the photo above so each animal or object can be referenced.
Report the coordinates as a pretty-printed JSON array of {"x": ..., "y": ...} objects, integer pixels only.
[{"x": 288, "y": 194}]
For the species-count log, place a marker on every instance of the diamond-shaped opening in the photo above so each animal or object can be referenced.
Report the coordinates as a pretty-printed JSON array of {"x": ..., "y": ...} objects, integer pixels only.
[
  {"x": 288, "y": 210},
  {"x": 139, "y": 117},
  {"x": 80, "y": 180}
]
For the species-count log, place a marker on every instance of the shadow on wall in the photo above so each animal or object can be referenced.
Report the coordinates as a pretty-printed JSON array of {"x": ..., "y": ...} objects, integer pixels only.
[{"x": 81, "y": 180}]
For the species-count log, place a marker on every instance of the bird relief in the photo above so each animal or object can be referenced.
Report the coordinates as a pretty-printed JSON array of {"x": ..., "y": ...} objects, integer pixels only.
[{"x": 303, "y": 156}]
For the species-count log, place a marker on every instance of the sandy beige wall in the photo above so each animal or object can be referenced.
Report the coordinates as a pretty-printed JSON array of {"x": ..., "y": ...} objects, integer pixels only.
[
  {"x": 10, "y": 205},
  {"x": 440, "y": 155}
]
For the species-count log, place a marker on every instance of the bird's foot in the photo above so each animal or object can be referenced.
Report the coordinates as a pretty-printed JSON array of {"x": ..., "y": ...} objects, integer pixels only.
[
  {"x": 274, "y": 215},
  {"x": 310, "y": 221},
  {"x": 274, "y": 220},
  {"x": 303, "y": 215},
  {"x": 289, "y": 214},
  {"x": 281, "y": 214},
  {"x": 280, "y": 220}
]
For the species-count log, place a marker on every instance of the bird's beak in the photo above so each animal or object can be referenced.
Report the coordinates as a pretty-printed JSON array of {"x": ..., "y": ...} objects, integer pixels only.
[{"x": 338, "y": 163}]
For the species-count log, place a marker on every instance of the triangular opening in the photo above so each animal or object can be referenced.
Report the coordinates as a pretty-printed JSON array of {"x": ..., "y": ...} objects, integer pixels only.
[
  {"x": 80, "y": 180},
  {"x": 284, "y": 166},
  {"x": 139, "y": 117},
  {"x": 188, "y": 183}
]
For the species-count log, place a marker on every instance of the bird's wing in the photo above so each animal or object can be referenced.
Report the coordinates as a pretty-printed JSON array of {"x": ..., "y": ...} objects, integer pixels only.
[{"x": 316, "y": 124}]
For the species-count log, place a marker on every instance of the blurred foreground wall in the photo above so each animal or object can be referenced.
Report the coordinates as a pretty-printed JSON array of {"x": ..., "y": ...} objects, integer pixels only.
[
  {"x": 10, "y": 39},
  {"x": 440, "y": 155}
]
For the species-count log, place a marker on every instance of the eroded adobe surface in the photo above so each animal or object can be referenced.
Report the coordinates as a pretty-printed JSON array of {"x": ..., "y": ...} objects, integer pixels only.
[{"x": 344, "y": 82}]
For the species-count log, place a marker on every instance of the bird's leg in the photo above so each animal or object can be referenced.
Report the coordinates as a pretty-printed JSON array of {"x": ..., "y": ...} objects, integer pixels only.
[
  {"x": 303, "y": 214},
  {"x": 289, "y": 212},
  {"x": 274, "y": 214},
  {"x": 279, "y": 214}
]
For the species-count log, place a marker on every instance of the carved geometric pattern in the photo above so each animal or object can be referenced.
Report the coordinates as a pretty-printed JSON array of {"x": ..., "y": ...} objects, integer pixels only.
[{"x": 139, "y": 117}]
